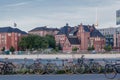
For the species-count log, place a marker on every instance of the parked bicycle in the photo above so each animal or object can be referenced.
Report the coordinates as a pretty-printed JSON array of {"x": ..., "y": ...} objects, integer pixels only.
[
  {"x": 93, "y": 66},
  {"x": 87, "y": 65},
  {"x": 7, "y": 67},
  {"x": 23, "y": 67},
  {"x": 51, "y": 67},
  {"x": 80, "y": 66},
  {"x": 37, "y": 67},
  {"x": 111, "y": 68},
  {"x": 68, "y": 66}
]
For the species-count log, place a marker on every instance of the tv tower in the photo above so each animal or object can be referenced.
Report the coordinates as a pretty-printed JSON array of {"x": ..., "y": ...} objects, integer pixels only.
[{"x": 96, "y": 20}]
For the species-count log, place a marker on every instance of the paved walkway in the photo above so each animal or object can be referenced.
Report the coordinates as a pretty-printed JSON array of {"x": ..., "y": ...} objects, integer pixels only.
[
  {"x": 61, "y": 56},
  {"x": 57, "y": 77}
]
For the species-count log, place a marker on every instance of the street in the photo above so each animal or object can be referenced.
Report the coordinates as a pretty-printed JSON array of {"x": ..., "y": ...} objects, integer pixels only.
[{"x": 57, "y": 77}]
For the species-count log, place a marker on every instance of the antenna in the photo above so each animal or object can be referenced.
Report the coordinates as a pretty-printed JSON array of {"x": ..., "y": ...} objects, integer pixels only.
[{"x": 96, "y": 20}]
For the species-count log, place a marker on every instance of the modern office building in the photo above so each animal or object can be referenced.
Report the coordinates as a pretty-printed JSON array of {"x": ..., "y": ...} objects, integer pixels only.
[
  {"x": 112, "y": 36},
  {"x": 118, "y": 17}
]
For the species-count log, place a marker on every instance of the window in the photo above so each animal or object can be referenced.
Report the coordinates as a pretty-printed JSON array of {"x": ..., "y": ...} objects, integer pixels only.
[
  {"x": 9, "y": 34},
  {"x": 15, "y": 38},
  {"x": 19, "y": 34}
]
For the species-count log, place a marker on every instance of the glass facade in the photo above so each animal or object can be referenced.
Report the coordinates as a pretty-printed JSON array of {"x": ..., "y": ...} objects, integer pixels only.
[{"x": 118, "y": 17}]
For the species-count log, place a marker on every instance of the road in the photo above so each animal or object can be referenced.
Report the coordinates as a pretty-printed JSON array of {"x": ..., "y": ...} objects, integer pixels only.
[{"x": 57, "y": 77}]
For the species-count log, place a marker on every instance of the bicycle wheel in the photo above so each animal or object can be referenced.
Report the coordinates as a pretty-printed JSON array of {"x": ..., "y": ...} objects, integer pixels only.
[
  {"x": 69, "y": 69},
  {"x": 1, "y": 68},
  {"x": 51, "y": 68},
  {"x": 38, "y": 68},
  {"x": 95, "y": 68},
  {"x": 10, "y": 68},
  {"x": 79, "y": 68},
  {"x": 23, "y": 69},
  {"x": 110, "y": 71}
]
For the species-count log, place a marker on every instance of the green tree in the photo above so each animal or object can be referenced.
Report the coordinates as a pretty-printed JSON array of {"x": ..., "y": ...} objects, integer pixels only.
[
  {"x": 12, "y": 49},
  {"x": 44, "y": 43},
  {"x": 91, "y": 48},
  {"x": 74, "y": 49},
  {"x": 108, "y": 48},
  {"x": 51, "y": 41},
  {"x": 23, "y": 43},
  {"x": 3, "y": 49},
  {"x": 36, "y": 42}
]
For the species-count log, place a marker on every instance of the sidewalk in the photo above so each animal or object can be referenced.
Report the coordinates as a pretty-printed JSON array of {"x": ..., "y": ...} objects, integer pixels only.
[{"x": 61, "y": 56}]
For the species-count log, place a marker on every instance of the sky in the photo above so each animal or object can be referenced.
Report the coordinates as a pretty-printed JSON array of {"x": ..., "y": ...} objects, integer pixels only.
[{"x": 28, "y": 14}]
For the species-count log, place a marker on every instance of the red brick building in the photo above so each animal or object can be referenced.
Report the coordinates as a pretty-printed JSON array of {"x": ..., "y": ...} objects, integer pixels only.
[
  {"x": 43, "y": 31},
  {"x": 81, "y": 37},
  {"x": 10, "y": 37}
]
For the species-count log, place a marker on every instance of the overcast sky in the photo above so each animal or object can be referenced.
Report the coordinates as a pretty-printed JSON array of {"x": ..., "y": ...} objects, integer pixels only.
[{"x": 29, "y": 14}]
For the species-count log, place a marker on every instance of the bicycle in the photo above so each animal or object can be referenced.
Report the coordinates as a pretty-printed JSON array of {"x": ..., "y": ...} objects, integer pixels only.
[
  {"x": 68, "y": 66},
  {"x": 80, "y": 66},
  {"x": 23, "y": 67},
  {"x": 7, "y": 67},
  {"x": 51, "y": 67},
  {"x": 93, "y": 66},
  {"x": 37, "y": 67},
  {"x": 111, "y": 69}
]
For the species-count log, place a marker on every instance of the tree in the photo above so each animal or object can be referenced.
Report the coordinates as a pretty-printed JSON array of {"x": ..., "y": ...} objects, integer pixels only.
[
  {"x": 51, "y": 41},
  {"x": 12, "y": 49},
  {"x": 36, "y": 42},
  {"x": 74, "y": 49},
  {"x": 23, "y": 43},
  {"x": 91, "y": 48},
  {"x": 108, "y": 48},
  {"x": 3, "y": 49},
  {"x": 44, "y": 43}
]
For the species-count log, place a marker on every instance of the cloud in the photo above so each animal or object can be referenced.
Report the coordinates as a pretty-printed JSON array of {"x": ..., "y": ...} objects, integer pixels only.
[
  {"x": 58, "y": 13},
  {"x": 17, "y": 4}
]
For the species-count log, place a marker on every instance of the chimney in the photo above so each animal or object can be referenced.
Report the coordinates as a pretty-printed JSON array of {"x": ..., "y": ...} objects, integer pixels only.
[
  {"x": 15, "y": 25},
  {"x": 92, "y": 28},
  {"x": 88, "y": 26},
  {"x": 66, "y": 24},
  {"x": 80, "y": 24},
  {"x": 69, "y": 30}
]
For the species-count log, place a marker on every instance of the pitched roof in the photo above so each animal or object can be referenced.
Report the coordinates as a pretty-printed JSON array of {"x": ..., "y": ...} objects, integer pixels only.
[
  {"x": 74, "y": 40},
  {"x": 64, "y": 30},
  {"x": 10, "y": 30},
  {"x": 86, "y": 28},
  {"x": 73, "y": 32},
  {"x": 44, "y": 28},
  {"x": 95, "y": 33}
]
